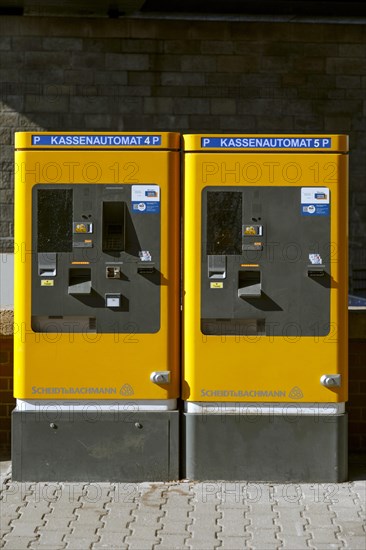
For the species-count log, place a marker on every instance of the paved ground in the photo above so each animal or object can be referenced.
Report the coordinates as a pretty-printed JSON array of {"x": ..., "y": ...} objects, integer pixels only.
[{"x": 182, "y": 515}]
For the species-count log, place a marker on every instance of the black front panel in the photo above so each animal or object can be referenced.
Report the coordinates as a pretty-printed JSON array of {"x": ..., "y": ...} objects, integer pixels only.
[
  {"x": 266, "y": 263},
  {"x": 97, "y": 262}
]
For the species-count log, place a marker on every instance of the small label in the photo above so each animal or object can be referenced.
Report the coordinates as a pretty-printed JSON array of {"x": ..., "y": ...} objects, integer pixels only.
[
  {"x": 216, "y": 285},
  {"x": 47, "y": 282},
  {"x": 82, "y": 227},
  {"x": 315, "y": 201},
  {"x": 252, "y": 230},
  {"x": 113, "y": 300},
  {"x": 145, "y": 199}
]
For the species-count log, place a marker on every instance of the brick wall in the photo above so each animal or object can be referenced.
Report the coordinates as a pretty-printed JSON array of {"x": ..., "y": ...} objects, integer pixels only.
[
  {"x": 136, "y": 74},
  {"x": 357, "y": 381},
  {"x": 7, "y": 402},
  {"x": 357, "y": 389}
]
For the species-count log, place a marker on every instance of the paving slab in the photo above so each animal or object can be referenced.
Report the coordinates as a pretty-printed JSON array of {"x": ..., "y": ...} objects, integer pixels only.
[{"x": 181, "y": 516}]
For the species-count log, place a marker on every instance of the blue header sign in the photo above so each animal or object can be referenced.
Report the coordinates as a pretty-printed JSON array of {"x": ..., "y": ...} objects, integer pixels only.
[
  {"x": 102, "y": 140},
  {"x": 293, "y": 142}
]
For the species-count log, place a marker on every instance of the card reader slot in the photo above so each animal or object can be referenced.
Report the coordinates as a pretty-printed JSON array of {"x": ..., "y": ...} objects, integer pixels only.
[
  {"x": 114, "y": 226},
  {"x": 146, "y": 268},
  {"x": 316, "y": 270}
]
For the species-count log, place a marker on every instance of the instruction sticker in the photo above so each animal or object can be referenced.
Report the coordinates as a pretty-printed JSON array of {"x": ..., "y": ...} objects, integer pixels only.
[
  {"x": 47, "y": 282},
  {"x": 145, "y": 199},
  {"x": 315, "y": 201},
  {"x": 216, "y": 285},
  {"x": 82, "y": 227}
]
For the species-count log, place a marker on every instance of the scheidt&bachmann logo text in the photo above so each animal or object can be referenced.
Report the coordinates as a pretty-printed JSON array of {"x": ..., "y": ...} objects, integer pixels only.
[
  {"x": 242, "y": 393},
  {"x": 82, "y": 390}
]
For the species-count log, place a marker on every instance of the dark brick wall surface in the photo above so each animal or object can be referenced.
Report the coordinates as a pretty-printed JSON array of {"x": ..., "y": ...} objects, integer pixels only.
[
  {"x": 189, "y": 76},
  {"x": 357, "y": 395},
  {"x": 7, "y": 401}
]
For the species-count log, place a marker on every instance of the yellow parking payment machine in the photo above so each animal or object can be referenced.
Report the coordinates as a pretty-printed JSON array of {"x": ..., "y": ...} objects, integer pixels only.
[
  {"x": 96, "y": 305},
  {"x": 265, "y": 307}
]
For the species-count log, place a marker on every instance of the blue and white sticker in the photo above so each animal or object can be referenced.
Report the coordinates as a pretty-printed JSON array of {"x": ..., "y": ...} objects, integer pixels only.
[
  {"x": 270, "y": 142},
  {"x": 145, "y": 199},
  {"x": 315, "y": 201},
  {"x": 315, "y": 259}
]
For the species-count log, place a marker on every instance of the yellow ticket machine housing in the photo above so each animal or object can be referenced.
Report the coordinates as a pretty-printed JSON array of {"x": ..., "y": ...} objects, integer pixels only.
[
  {"x": 96, "y": 306},
  {"x": 265, "y": 307}
]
